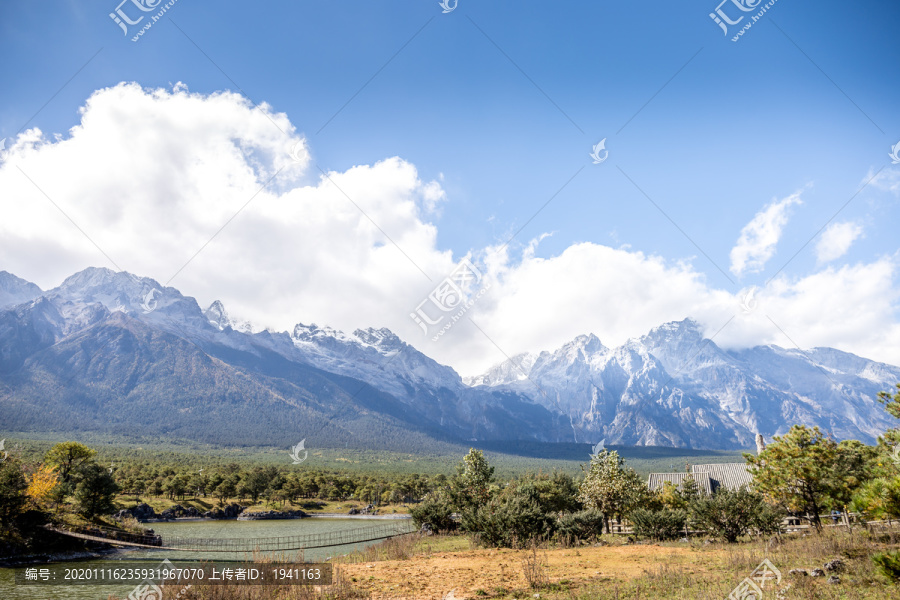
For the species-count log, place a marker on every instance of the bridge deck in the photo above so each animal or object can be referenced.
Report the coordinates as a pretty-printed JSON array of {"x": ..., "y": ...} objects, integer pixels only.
[{"x": 273, "y": 544}]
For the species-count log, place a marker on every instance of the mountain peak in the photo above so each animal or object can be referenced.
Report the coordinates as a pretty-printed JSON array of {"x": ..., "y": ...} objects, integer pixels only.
[
  {"x": 686, "y": 329},
  {"x": 590, "y": 343},
  {"x": 217, "y": 315},
  {"x": 219, "y": 318},
  {"x": 15, "y": 290},
  {"x": 383, "y": 338},
  {"x": 94, "y": 279}
]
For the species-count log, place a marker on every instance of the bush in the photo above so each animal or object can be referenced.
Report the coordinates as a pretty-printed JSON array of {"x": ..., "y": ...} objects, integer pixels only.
[
  {"x": 581, "y": 525},
  {"x": 730, "y": 514},
  {"x": 888, "y": 563},
  {"x": 436, "y": 512},
  {"x": 665, "y": 524},
  {"x": 511, "y": 520}
]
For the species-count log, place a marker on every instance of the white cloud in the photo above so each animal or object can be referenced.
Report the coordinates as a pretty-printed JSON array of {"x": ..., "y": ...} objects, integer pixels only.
[
  {"x": 836, "y": 240},
  {"x": 152, "y": 175},
  {"x": 853, "y": 309},
  {"x": 887, "y": 180},
  {"x": 760, "y": 236}
]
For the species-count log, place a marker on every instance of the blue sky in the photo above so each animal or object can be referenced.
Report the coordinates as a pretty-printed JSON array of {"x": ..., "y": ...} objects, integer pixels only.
[{"x": 499, "y": 104}]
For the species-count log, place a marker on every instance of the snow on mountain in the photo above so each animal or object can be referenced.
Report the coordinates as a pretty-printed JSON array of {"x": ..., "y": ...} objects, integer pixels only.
[
  {"x": 219, "y": 318},
  {"x": 14, "y": 290},
  {"x": 671, "y": 387},
  {"x": 374, "y": 355},
  {"x": 674, "y": 387}
]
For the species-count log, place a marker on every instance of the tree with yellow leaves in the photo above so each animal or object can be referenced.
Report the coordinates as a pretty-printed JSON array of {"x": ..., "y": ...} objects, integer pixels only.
[{"x": 42, "y": 483}]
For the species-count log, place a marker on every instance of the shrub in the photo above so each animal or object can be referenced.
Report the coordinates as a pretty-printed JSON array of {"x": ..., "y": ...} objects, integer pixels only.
[
  {"x": 436, "y": 512},
  {"x": 665, "y": 524},
  {"x": 511, "y": 520},
  {"x": 888, "y": 563},
  {"x": 581, "y": 525},
  {"x": 730, "y": 514}
]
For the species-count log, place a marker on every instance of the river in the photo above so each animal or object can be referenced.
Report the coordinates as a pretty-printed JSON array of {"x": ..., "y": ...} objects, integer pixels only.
[{"x": 201, "y": 529}]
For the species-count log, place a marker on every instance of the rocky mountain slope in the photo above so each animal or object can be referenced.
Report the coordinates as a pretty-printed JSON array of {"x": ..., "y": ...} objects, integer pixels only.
[
  {"x": 673, "y": 387},
  {"x": 117, "y": 353}
]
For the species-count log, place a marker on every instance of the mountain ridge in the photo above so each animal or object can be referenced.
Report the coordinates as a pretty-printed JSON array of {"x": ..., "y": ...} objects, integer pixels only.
[{"x": 669, "y": 387}]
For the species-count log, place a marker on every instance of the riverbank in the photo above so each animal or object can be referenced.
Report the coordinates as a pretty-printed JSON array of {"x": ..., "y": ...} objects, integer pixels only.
[{"x": 346, "y": 516}]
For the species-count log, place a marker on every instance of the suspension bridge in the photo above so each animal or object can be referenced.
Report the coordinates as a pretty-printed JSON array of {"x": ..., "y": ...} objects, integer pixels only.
[{"x": 118, "y": 537}]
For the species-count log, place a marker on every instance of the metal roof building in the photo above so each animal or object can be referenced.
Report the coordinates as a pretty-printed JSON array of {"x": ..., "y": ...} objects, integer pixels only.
[
  {"x": 728, "y": 475},
  {"x": 704, "y": 484},
  {"x": 709, "y": 478}
]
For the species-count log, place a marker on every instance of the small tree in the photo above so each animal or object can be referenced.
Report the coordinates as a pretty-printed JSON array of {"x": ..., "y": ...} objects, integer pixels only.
[
  {"x": 12, "y": 492},
  {"x": 892, "y": 406},
  {"x": 227, "y": 488},
  {"x": 512, "y": 519},
  {"x": 730, "y": 514},
  {"x": 67, "y": 457},
  {"x": 257, "y": 481},
  {"x": 878, "y": 499},
  {"x": 40, "y": 488},
  {"x": 435, "y": 511},
  {"x": 799, "y": 471},
  {"x": 95, "y": 491},
  {"x": 472, "y": 483},
  {"x": 891, "y": 403},
  {"x": 610, "y": 487}
]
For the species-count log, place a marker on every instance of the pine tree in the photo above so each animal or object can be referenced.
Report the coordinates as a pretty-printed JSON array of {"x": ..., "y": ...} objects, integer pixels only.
[
  {"x": 610, "y": 487},
  {"x": 800, "y": 472}
]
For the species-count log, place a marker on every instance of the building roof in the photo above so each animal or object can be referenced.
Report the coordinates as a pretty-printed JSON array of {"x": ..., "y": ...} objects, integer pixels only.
[
  {"x": 704, "y": 484},
  {"x": 728, "y": 475}
]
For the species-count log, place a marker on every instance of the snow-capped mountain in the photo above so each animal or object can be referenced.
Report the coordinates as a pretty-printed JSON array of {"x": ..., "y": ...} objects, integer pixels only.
[
  {"x": 104, "y": 342},
  {"x": 674, "y": 387},
  {"x": 14, "y": 290},
  {"x": 379, "y": 372},
  {"x": 219, "y": 318}
]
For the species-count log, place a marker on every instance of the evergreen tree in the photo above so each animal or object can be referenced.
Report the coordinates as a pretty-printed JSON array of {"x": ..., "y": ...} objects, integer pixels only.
[
  {"x": 799, "y": 471},
  {"x": 12, "y": 491},
  {"x": 66, "y": 457},
  {"x": 611, "y": 488},
  {"x": 95, "y": 491}
]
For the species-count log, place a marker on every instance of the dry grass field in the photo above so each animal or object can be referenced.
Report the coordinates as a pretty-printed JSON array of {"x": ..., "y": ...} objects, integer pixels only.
[{"x": 453, "y": 567}]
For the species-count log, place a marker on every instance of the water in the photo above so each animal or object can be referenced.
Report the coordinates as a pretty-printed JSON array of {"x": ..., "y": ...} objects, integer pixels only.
[{"x": 204, "y": 529}]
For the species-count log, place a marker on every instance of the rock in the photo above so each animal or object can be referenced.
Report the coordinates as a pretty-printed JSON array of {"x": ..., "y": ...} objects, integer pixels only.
[
  {"x": 834, "y": 580},
  {"x": 354, "y": 511},
  {"x": 836, "y": 565},
  {"x": 141, "y": 512},
  {"x": 802, "y": 572},
  {"x": 817, "y": 573},
  {"x": 233, "y": 510},
  {"x": 684, "y": 540}
]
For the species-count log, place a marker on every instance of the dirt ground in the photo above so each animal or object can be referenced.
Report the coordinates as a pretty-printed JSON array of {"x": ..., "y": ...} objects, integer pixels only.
[{"x": 465, "y": 573}]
